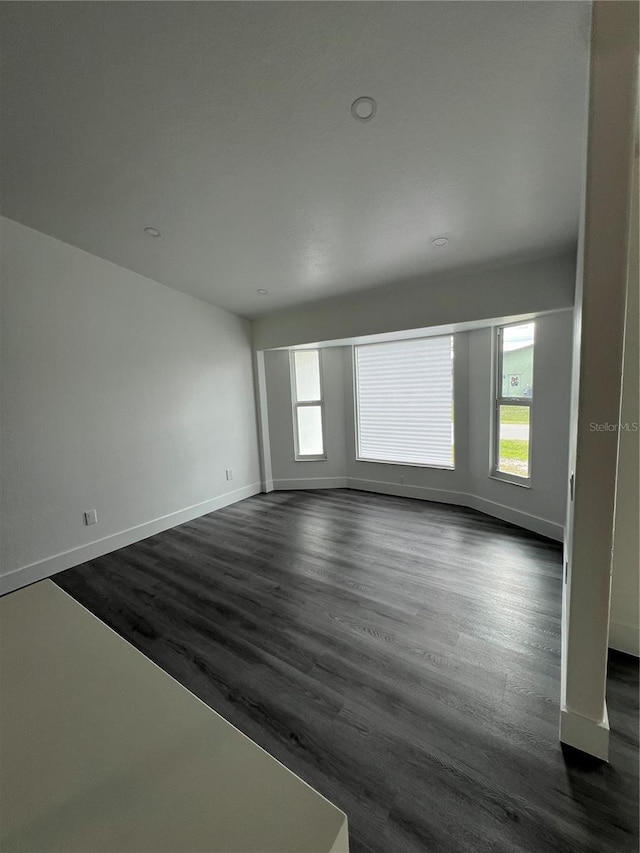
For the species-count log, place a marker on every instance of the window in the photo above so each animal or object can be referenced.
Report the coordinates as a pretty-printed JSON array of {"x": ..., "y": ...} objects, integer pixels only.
[
  {"x": 306, "y": 394},
  {"x": 513, "y": 403},
  {"x": 404, "y": 401}
]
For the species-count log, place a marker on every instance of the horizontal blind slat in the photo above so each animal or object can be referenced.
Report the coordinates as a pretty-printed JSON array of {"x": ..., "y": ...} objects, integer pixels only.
[{"x": 405, "y": 401}]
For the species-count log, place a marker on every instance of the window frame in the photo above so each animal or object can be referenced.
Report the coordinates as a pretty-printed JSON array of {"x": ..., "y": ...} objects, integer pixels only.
[
  {"x": 296, "y": 404},
  {"x": 499, "y": 400},
  {"x": 356, "y": 404}
]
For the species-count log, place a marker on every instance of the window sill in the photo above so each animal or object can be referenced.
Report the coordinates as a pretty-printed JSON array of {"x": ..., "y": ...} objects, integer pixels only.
[
  {"x": 310, "y": 459},
  {"x": 523, "y": 482},
  {"x": 406, "y": 464}
]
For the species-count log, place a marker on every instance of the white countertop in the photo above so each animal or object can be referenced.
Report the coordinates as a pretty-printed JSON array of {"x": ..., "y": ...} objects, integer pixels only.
[{"x": 100, "y": 750}]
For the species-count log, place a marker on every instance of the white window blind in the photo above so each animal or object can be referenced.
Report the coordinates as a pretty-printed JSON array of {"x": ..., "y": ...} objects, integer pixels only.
[{"x": 404, "y": 395}]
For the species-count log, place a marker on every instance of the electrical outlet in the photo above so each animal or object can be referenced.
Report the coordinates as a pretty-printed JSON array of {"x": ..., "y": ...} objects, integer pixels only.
[
  {"x": 90, "y": 517},
  {"x": 229, "y": 473}
]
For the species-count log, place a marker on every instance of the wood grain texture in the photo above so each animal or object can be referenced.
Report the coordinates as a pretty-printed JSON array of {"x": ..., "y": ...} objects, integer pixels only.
[{"x": 403, "y": 657}]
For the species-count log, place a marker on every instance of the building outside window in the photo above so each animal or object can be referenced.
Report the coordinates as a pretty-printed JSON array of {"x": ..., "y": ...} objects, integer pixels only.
[{"x": 513, "y": 402}]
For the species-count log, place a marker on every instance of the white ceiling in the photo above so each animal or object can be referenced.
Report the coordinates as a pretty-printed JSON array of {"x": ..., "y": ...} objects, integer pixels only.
[{"x": 227, "y": 126}]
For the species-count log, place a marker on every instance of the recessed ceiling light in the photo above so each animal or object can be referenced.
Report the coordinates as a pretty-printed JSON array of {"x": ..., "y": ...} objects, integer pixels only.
[
  {"x": 363, "y": 109},
  {"x": 262, "y": 291},
  {"x": 152, "y": 232},
  {"x": 440, "y": 241}
]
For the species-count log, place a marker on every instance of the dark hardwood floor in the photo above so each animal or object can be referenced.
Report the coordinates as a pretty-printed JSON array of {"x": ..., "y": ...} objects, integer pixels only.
[{"x": 402, "y": 657}]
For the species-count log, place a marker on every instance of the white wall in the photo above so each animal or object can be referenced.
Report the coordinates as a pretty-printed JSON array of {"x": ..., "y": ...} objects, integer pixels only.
[
  {"x": 600, "y": 300},
  {"x": 508, "y": 291},
  {"x": 624, "y": 624},
  {"x": 118, "y": 394},
  {"x": 285, "y": 470},
  {"x": 540, "y": 507},
  {"x": 426, "y": 483},
  {"x": 545, "y": 499}
]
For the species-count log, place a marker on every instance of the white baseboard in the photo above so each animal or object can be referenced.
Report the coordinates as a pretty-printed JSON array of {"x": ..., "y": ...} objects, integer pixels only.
[
  {"x": 624, "y": 638},
  {"x": 401, "y": 490},
  {"x": 505, "y": 513},
  {"x": 543, "y": 526},
  {"x": 92, "y": 550},
  {"x": 587, "y": 735},
  {"x": 311, "y": 483}
]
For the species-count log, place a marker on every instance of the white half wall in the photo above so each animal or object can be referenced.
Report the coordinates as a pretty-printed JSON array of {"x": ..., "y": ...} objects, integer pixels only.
[
  {"x": 118, "y": 394},
  {"x": 601, "y": 285},
  {"x": 624, "y": 615}
]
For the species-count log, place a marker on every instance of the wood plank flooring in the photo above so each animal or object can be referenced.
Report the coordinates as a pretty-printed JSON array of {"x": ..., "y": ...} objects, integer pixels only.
[{"x": 402, "y": 657}]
